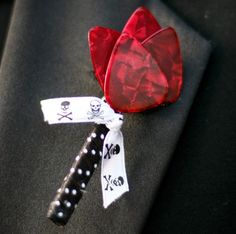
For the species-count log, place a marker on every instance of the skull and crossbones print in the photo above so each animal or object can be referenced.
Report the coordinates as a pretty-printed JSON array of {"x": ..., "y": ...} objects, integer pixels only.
[
  {"x": 112, "y": 183},
  {"x": 66, "y": 113},
  {"x": 95, "y": 110},
  {"x": 111, "y": 150}
]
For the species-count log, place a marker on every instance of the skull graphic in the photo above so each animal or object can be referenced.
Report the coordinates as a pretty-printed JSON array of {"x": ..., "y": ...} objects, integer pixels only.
[
  {"x": 118, "y": 181},
  {"x": 66, "y": 114},
  {"x": 115, "y": 150},
  {"x": 95, "y": 106},
  {"x": 65, "y": 106}
]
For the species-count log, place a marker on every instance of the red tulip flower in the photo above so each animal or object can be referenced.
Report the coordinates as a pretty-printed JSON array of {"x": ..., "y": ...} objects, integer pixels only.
[{"x": 139, "y": 68}]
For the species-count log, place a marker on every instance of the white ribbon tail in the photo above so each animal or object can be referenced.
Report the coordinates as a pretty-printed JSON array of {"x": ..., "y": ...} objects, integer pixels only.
[{"x": 113, "y": 173}]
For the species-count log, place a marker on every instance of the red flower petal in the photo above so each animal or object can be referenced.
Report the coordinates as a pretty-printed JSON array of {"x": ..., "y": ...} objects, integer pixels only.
[
  {"x": 141, "y": 24},
  {"x": 101, "y": 42},
  {"x": 134, "y": 81},
  {"x": 164, "y": 47}
]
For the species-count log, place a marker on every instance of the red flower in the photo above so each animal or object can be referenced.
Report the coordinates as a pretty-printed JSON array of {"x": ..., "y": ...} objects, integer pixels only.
[{"x": 139, "y": 68}]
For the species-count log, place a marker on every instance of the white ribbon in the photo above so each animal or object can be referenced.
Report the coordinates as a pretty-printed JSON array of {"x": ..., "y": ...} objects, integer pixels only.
[
  {"x": 92, "y": 109},
  {"x": 113, "y": 173},
  {"x": 76, "y": 110}
]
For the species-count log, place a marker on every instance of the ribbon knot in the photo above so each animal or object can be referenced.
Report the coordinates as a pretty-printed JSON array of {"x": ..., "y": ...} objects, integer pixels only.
[{"x": 116, "y": 123}]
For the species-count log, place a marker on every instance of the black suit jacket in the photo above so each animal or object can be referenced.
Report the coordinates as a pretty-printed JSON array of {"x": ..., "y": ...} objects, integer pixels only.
[{"x": 46, "y": 55}]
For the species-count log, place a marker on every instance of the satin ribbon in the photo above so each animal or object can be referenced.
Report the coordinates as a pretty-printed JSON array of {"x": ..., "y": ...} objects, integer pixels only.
[{"x": 113, "y": 173}]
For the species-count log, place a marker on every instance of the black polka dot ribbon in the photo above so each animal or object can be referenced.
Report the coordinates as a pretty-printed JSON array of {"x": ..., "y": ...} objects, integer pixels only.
[{"x": 71, "y": 190}]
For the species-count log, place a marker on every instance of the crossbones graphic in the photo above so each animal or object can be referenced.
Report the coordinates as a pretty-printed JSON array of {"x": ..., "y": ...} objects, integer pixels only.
[
  {"x": 119, "y": 181},
  {"x": 65, "y": 116},
  {"x": 111, "y": 150},
  {"x": 95, "y": 112},
  {"x": 65, "y": 105}
]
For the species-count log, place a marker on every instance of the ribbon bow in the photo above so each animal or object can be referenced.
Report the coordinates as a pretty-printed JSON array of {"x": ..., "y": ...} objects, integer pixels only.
[{"x": 137, "y": 69}]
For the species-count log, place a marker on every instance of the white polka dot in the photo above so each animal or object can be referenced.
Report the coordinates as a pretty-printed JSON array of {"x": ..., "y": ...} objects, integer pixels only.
[
  {"x": 76, "y": 205},
  {"x": 80, "y": 171},
  {"x": 87, "y": 173},
  {"x": 60, "y": 214},
  {"x": 57, "y": 203},
  {"x": 89, "y": 139},
  {"x": 77, "y": 158},
  {"x": 72, "y": 170},
  {"x": 83, "y": 185},
  {"x": 68, "y": 204},
  {"x": 102, "y": 136},
  {"x": 94, "y": 135},
  {"x": 67, "y": 190},
  {"x": 100, "y": 153},
  {"x": 93, "y": 152},
  {"x": 95, "y": 165},
  {"x": 85, "y": 151},
  {"x": 74, "y": 192},
  {"x": 59, "y": 190}
]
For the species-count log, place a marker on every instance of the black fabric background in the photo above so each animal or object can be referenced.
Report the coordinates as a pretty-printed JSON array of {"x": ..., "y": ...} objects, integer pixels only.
[
  {"x": 203, "y": 169},
  {"x": 198, "y": 192}
]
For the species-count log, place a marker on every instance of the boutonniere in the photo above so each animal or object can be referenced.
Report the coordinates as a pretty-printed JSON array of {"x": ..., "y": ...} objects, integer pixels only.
[{"x": 138, "y": 69}]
